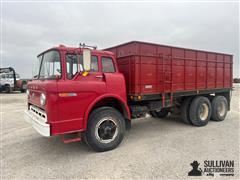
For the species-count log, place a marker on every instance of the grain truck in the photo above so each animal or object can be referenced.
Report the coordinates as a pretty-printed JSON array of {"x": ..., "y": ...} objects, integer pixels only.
[{"x": 85, "y": 93}]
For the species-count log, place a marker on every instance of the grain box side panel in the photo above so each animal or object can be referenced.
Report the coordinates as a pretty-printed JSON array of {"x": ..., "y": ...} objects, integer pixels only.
[
  {"x": 148, "y": 75},
  {"x": 163, "y": 54},
  {"x": 227, "y": 81},
  {"x": 220, "y": 70},
  {"x": 135, "y": 79},
  {"x": 201, "y": 70},
  {"x": 129, "y": 49},
  {"x": 147, "y": 59},
  {"x": 178, "y": 69},
  {"x": 124, "y": 66},
  {"x": 153, "y": 69},
  {"x": 190, "y": 70},
  {"x": 211, "y": 71}
]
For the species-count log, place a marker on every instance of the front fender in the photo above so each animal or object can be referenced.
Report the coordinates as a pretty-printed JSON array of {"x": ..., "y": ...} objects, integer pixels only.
[{"x": 98, "y": 99}]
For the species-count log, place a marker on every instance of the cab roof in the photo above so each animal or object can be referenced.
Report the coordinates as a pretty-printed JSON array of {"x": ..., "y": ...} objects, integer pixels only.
[{"x": 78, "y": 49}]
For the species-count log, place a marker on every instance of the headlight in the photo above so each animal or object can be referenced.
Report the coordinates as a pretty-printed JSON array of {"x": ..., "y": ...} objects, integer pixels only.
[{"x": 42, "y": 99}]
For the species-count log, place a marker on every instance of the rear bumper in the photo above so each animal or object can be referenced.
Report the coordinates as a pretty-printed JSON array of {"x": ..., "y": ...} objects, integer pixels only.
[{"x": 40, "y": 126}]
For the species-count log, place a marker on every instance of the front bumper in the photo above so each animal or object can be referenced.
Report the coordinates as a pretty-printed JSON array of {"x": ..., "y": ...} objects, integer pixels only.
[{"x": 38, "y": 122}]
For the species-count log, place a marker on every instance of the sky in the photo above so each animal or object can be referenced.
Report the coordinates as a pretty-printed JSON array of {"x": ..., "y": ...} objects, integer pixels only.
[{"x": 30, "y": 28}]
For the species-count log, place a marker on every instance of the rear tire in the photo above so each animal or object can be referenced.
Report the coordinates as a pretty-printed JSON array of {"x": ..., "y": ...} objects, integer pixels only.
[
  {"x": 185, "y": 110},
  {"x": 105, "y": 129},
  {"x": 200, "y": 111},
  {"x": 219, "y": 108},
  {"x": 160, "y": 114}
]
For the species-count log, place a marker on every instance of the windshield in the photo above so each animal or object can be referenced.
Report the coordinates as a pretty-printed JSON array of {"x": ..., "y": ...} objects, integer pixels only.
[
  {"x": 49, "y": 66},
  {"x": 10, "y": 76}
]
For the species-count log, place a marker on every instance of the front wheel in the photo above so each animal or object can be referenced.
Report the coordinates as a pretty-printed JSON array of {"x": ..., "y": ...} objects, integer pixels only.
[
  {"x": 8, "y": 89},
  {"x": 105, "y": 130}
]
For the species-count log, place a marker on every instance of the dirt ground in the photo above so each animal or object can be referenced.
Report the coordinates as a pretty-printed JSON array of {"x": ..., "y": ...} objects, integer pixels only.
[{"x": 153, "y": 148}]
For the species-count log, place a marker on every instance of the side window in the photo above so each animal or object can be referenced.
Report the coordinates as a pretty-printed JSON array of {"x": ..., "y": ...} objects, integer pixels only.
[
  {"x": 36, "y": 67},
  {"x": 107, "y": 65},
  {"x": 75, "y": 64},
  {"x": 94, "y": 64}
]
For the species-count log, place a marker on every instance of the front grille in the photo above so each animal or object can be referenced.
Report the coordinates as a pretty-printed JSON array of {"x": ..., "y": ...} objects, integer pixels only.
[{"x": 38, "y": 113}]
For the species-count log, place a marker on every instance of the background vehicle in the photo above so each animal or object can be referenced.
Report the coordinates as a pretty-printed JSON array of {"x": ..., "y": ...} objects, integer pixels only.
[
  {"x": 96, "y": 93},
  {"x": 10, "y": 81}
]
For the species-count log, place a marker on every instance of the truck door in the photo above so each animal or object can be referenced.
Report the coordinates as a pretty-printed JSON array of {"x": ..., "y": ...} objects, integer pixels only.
[{"x": 77, "y": 91}]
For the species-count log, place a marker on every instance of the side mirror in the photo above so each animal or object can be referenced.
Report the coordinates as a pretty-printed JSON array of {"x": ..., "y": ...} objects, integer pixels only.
[{"x": 86, "y": 59}]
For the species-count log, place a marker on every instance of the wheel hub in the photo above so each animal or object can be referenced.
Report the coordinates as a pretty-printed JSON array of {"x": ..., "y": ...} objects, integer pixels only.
[
  {"x": 106, "y": 130},
  {"x": 221, "y": 109},
  {"x": 203, "y": 112}
]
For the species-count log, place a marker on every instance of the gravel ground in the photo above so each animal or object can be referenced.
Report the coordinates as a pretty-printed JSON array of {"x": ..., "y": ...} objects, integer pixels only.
[{"x": 153, "y": 148}]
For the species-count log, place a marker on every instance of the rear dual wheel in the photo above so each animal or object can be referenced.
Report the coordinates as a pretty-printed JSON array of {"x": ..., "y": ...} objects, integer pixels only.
[
  {"x": 219, "y": 108},
  {"x": 185, "y": 106},
  {"x": 198, "y": 111}
]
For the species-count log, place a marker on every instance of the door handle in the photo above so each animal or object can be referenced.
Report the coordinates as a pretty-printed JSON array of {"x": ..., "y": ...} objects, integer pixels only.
[{"x": 100, "y": 77}]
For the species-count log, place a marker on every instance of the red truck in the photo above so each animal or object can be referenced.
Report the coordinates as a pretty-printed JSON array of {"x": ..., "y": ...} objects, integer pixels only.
[{"x": 90, "y": 94}]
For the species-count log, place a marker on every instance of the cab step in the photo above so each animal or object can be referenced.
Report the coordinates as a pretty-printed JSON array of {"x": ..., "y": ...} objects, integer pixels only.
[{"x": 71, "y": 137}]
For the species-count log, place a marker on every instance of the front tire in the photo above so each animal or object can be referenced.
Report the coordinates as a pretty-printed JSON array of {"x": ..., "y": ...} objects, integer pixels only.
[
  {"x": 105, "y": 129},
  {"x": 8, "y": 89},
  {"x": 219, "y": 108},
  {"x": 200, "y": 111}
]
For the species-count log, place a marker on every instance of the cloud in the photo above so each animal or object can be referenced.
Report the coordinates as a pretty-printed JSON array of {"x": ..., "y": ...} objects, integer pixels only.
[{"x": 29, "y": 28}]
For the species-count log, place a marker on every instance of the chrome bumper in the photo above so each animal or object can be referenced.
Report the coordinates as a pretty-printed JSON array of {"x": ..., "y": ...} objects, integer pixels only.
[{"x": 36, "y": 117}]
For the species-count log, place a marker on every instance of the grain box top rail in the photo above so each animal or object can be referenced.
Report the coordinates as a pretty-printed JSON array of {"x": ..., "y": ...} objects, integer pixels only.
[{"x": 155, "y": 44}]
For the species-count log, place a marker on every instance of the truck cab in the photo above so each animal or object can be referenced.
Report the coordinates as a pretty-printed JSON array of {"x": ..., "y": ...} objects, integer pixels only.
[
  {"x": 7, "y": 81},
  {"x": 10, "y": 81},
  {"x": 80, "y": 92}
]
